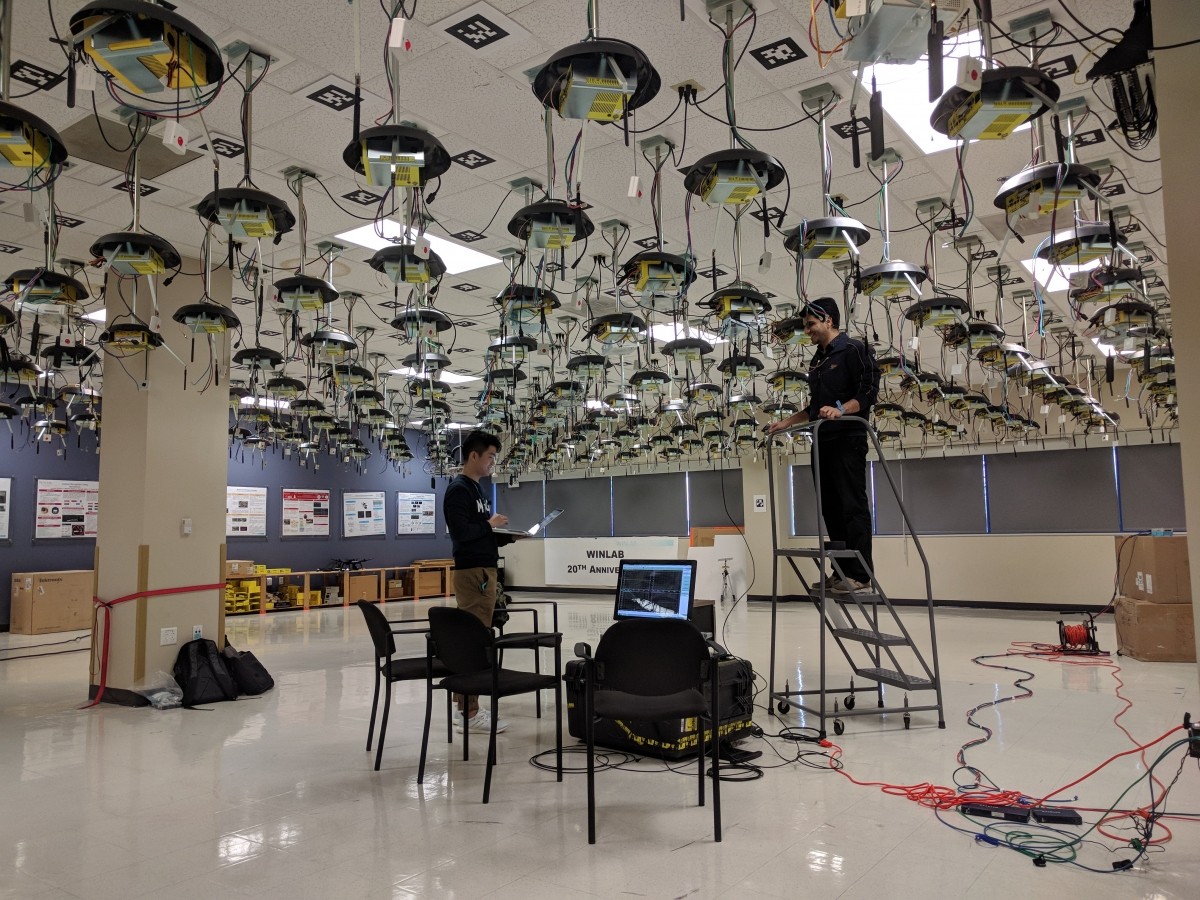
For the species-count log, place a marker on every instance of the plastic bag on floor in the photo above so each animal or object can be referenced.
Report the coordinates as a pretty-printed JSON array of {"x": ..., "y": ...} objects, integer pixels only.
[{"x": 161, "y": 690}]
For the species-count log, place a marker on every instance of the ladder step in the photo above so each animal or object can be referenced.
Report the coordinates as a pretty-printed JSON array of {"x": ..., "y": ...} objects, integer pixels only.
[
  {"x": 813, "y": 553},
  {"x": 897, "y": 679},
  {"x": 866, "y": 636},
  {"x": 864, "y": 597}
]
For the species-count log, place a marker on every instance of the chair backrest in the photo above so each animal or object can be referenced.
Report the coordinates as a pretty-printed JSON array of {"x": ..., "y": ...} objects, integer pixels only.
[
  {"x": 381, "y": 631},
  {"x": 651, "y": 656},
  {"x": 461, "y": 640}
]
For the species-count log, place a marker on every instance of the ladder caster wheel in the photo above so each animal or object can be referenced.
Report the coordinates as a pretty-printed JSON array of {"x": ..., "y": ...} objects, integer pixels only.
[
  {"x": 839, "y": 727},
  {"x": 783, "y": 706},
  {"x": 848, "y": 703},
  {"x": 907, "y": 721}
]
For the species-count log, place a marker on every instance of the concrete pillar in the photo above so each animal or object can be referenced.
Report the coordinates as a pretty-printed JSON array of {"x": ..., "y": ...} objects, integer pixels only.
[
  {"x": 1177, "y": 75},
  {"x": 163, "y": 461}
]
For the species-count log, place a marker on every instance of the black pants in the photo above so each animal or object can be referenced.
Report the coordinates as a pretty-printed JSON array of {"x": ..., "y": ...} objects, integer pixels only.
[{"x": 844, "y": 504}]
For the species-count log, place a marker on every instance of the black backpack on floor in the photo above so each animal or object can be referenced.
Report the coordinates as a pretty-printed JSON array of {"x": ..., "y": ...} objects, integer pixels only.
[
  {"x": 201, "y": 673},
  {"x": 251, "y": 676}
]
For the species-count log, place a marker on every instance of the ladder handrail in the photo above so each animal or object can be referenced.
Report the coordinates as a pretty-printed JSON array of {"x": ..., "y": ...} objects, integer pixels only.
[{"x": 816, "y": 457}]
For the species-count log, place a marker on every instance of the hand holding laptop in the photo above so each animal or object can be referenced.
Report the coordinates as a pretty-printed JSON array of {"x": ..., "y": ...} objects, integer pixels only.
[{"x": 517, "y": 534}]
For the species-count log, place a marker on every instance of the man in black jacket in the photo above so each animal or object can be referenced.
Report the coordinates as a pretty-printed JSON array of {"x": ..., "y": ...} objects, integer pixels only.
[
  {"x": 843, "y": 381},
  {"x": 469, "y": 518}
]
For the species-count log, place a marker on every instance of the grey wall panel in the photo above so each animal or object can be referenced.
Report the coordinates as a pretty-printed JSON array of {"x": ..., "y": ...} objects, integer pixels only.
[
  {"x": 804, "y": 502},
  {"x": 1151, "y": 487},
  {"x": 586, "y": 504},
  {"x": 522, "y": 505},
  {"x": 1052, "y": 491},
  {"x": 715, "y": 498},
  {"x": 650, "y": 504},
  {"x": 942, "y": 495}
]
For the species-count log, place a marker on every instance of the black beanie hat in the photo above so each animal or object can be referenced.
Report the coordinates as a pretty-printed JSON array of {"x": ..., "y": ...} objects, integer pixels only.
[{"x": 823, "y": 308}]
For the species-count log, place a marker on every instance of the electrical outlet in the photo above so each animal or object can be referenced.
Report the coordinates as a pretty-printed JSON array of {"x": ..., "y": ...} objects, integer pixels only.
[
  {"x": 695, "y": 86},
  {"x": 168, "y": 636}
]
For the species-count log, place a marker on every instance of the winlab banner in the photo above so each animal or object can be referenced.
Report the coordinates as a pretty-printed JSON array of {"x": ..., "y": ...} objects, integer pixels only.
[{"x": 594, "y": 562}]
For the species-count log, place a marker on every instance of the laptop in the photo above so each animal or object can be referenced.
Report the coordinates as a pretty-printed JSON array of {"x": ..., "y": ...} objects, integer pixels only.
[
  {"x": 655, "y": 589},
  {"x": 517, "y": 533}
]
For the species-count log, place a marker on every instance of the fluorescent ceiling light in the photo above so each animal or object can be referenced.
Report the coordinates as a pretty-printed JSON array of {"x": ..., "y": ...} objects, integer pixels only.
[
  {"x": 1054, "y": 278},
  {"x": 445, "y": 376},
  {"x": 266, "y": 403},
  {"x": 665, "y": 332},
  {"x": 457, "y": 257},
  {"x": 906, "y": 91}
]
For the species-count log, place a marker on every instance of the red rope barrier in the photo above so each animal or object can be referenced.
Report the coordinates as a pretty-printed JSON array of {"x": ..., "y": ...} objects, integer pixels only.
[{"x": 106, "y": 607}]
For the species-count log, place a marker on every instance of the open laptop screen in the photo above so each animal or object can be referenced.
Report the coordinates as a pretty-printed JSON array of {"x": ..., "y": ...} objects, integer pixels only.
[{"x": 655, "y": 588}]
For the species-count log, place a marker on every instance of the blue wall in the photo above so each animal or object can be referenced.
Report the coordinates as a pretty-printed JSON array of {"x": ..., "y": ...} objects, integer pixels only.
[{"x": 23, "y": 554}]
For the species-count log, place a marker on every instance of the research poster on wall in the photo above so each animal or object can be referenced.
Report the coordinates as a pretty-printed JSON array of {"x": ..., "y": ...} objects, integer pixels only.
[
  {"x": 66, "y": 509},
  {"x": 363, "y": 513},
  {"x": 305, "y": 513},
  {"x": 245, "y": 511},
  {"x": 5, "y": 500},
  {"x": 417, "y": 513},
  {"x": 593, "y": 562}
]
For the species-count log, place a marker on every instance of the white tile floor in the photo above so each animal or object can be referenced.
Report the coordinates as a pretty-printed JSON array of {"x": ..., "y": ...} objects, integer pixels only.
[{"x": 275, "y": 797}]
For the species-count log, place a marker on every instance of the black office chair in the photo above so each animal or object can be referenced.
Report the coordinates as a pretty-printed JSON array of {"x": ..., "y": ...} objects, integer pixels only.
[
  {"x": 389, "y": 669},
  {"x": 471, "y": 652},
  {"x": 533, "y": 640},
  {"x": 650, "y": 670}
]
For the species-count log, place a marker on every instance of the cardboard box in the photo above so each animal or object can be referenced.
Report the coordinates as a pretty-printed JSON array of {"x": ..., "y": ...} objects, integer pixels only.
[
  {"x": 236, "y": 567},
  {"x": 1154, "y": 568},
  {"x": 1155, "y": 632},
  {"x": 44, "y": 602},
  {"x": 362, "y": 587},
  {"x": 707, "y": 536}
]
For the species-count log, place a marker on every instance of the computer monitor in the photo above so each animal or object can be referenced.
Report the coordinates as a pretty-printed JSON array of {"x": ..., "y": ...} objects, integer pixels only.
[{"x": 655, "y": 589}]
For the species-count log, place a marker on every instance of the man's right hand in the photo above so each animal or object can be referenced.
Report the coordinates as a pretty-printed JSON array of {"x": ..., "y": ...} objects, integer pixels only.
[{"x": 498, "y": 521}]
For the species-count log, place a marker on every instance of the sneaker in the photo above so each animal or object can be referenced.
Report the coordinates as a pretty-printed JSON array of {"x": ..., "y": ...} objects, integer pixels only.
[
  {"x": 481, "y": 721},
  {"x": 838, "y": 585}
]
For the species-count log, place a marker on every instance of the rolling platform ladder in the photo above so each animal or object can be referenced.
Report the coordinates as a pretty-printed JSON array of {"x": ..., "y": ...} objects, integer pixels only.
[{"x": 863, "y": 623}]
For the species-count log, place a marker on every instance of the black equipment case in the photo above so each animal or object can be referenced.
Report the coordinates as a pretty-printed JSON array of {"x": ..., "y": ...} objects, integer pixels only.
[{"x": 672, "y": 739}]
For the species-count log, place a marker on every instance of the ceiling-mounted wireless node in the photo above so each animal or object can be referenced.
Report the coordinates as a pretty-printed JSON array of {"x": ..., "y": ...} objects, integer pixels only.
[
  {"x": 1107, "y": 285},
  {"x": 133, "y": 253},
  {"x": 732, "y": 176},
  {"x": 1084, "y": 243},
  {"x": 891, "y": 279},
  {"x": 1042, "y": 189},
  {"x": 827, "y": 237},
  {"x": 36, "y": 287},
  {"x": 1006, "y": 98},
  {"x": 27, "y": 145},
  {"x": 328, "y": 344},
  {"x": 397, "y": 156},
  {"x": 522, "y": 303},
  {"x": 738, "y": 304},
  {"x": 550, "y": 224},
  {"x": 420, "y": 321},
  {"x": 655, "y": 276},
  {"x": 403, "y": 264},
  {"x": 601, "y": 79},
  {"x": 147, "y": 49},
  {"x": 304, "y": 292},
  {"x": 246, "y": 212},
  {"x": 617, "y": 328},
  {"x": 206, "y": 318},
  {"x": 937, "y": 312}
]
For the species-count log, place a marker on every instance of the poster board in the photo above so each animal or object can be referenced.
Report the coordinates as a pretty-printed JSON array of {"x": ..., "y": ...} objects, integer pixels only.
[
  {"x": 363, "y": 513},
  {"x": 5, "y": 506},
  {"x": 305, "y": 513},
  {"x": 245, "y": 511},
  {"x": 66, "y": 509},
  {"x": 416, "y": 513}
]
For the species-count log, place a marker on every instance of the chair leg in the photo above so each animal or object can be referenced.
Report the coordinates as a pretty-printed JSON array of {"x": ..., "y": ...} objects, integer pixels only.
[
  {"x": 700, "y": 757},
  {"x": 387, "y": 708},
  {"x": 537, "y": 670},
  {"x": 449, "y": 718},
  {"x": 374, "y": 708},
  {"x": 491, "y": 754},
  {"x": 466, "y": 732},
  {"x": 558, "y": 710},
  {"x": 716, "y": 790},
  {"x": 425, "y": 731},
  {"x": 590, "y": 731}
]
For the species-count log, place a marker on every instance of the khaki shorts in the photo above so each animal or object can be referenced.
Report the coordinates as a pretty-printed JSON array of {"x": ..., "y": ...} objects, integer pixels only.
[{"x": 475, "y": 591}]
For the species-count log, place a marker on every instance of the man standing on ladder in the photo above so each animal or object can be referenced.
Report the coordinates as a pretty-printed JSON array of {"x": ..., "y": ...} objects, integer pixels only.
[{"x": 843, "y": 380}]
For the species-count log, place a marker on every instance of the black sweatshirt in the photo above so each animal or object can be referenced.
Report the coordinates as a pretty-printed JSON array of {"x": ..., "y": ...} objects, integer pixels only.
[
  {"x": 845, "y": 370},
  {"x": 467, "y": 511}
]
